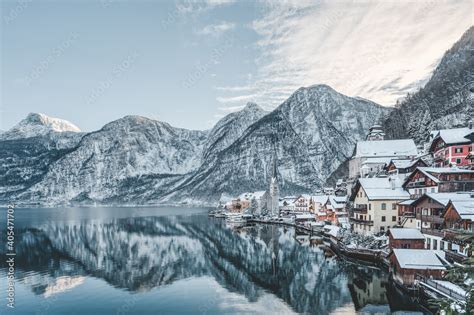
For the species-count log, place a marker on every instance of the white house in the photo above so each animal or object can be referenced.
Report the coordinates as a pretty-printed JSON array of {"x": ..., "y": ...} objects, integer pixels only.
[
  {"x": 375, "y": 204},
  {"x": 375, "y": 154}
]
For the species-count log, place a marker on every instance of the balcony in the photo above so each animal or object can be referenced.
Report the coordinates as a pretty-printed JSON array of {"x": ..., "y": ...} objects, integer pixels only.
[
  {"x": 360, "y": 209},
  {"x": 416, "y": 184},
  {"x": 430, "y": 218},
  {"x": 361, "y": 221},
  {"x": 433, "y": 232},
  {"x": 459, "y": 236},
  {"x": 455, "y": 256}
]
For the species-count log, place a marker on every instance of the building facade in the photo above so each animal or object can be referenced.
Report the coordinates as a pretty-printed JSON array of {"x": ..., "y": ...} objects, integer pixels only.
[{"x": 375, "y": 205}]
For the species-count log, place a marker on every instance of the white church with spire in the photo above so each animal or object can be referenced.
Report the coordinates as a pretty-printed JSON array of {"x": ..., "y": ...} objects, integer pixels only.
[{"x": 274, "y": 193}]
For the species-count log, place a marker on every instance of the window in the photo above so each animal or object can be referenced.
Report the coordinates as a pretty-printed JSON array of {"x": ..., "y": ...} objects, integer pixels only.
[
  {"x": 394, "y": 206},
  {"x": 370, "y": 217},
  {"x": 394, "y": 218},
  {"x": 384, "y": 206},
  {"x": 458, "y": 150},
  {"x": 383, "y": 218},
  {"x": 370, "y": 206},
  {"x": 432, "y": 190},
  {"x": 435, "y": 244},
  {"x": 458, "y": 161},
  {"x": 382, "y": 229}
]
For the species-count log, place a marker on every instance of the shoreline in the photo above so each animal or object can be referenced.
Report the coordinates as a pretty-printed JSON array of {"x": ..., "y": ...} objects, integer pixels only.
[{"x": 376, "y": 260}]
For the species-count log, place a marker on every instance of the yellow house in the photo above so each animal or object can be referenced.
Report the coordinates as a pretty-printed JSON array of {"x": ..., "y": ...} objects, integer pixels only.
[{"x": 375, "y": 202}]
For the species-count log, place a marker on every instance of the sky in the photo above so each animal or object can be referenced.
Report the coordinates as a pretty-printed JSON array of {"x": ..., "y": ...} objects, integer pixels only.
[{"x": 189, "y": 62}]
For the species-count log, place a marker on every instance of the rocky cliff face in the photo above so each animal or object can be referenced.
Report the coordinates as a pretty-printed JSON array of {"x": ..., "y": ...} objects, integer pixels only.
[
  {"x": 230, "y": 128},
  {"x": 446, "y": 101},
  {"x": 30, "y": 148},
  {"x": 310, "y": 134},
  {"x": 127, "y": 158},
  {"x": 138, "y": 160}
]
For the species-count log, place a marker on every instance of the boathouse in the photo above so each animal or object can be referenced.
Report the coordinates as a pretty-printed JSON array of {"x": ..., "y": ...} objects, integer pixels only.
[
  {"x": 407, "y": 263},
  {"x": 405, "y": 238}
]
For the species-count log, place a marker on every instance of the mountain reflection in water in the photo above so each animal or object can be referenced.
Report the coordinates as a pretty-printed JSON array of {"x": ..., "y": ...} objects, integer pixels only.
[{"x": 142, "y": 255}]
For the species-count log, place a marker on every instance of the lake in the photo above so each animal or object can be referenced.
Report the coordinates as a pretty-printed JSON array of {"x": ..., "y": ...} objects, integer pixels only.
[{"x": 179, "y": 261}]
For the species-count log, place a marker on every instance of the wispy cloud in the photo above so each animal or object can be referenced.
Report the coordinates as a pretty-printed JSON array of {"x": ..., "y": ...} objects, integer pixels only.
[
  {"x": 199, "y": 6},
  {"x": 216, "y": 29},
  {"x": 376, "y": 50}
]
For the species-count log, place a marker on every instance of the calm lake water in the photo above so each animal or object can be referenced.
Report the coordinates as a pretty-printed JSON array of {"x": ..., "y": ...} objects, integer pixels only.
[{"x": 180, "y": 261}]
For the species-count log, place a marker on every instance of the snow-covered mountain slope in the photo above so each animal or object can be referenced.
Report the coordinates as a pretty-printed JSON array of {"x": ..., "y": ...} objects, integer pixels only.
[
  {"x": 108, "y": 165},
  {"x": 28, "y": 150},
  {"x": 446, "y": 101},
  {"x": 230, "y": 128},
  {"x": 37, "y": 124},
  {"x": 310, "y": 134},
  {"x": 136, "y": 160}
]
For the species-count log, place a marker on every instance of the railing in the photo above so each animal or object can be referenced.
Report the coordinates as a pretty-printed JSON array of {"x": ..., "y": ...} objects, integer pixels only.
[
  {"x": 441, "y": 288},
  {"x": 361, "y": 221},
  {"x": 455, "y": 256},
  {"x": 416, "y": 184},
  {"x": 362, "y": 210},
  {"x": 430, "y": 219},
  {"x": 433, "y": 232}
]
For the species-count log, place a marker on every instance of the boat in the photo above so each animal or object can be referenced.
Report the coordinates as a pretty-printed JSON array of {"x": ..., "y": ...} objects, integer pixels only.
[
  {"x": 219, "y": 215},
  {"x": 234, "y": 218}
]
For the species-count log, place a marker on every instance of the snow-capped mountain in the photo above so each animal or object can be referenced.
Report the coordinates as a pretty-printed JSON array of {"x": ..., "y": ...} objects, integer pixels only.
[
  {"x": 37, "y": 124},
  {"x": 230, "y": 128},
  {"x": 139, "y": 160},
  {"x": 446, "y": 101},
  {"x": 310, "y": 134},
  {"x": 29, "y": 149},
  {"x": 110, "y": 164}
]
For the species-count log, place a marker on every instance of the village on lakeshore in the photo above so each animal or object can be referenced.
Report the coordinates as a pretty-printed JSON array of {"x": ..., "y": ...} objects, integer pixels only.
[{"x": 408, "y": 208}]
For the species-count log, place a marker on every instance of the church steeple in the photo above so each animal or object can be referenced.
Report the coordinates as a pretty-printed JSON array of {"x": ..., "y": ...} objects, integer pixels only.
[{"x": 273, "y": 205}]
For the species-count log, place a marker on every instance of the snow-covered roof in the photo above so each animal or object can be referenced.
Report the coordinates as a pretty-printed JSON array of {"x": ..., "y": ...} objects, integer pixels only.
[
  {"x": 444, "y": 198},
  {"x": 406, "y": 234},
  {"x": 337, "y": 202},
  {"x": 331, "y": 230},
  {"x": 378, "y": 160},
  {"x": 407, "y": 202},
  {"x": 430, "y": 171},
  {"x": 465, "y": 208},
  {"x": 380, "y": 188},
  {"x": 259, "y": 194},
  {"x": 305, "y": 216},
  {"x": 455, "y": 135},
  {"x": 418, "y": 259},
  {"x": 386, "y": 148},
  {"x": 320, "y": 198},
  {"x": 404, "y": 163},
  {"x": 451, "y": 286},
  {"x": 445, "y": 170}
]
